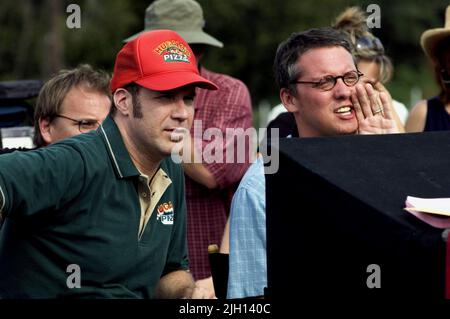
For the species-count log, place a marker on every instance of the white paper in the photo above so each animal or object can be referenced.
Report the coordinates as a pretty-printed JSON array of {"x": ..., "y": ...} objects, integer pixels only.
[
  {"x": 440, "y": 206},
  {"x": 433, "y": 211}
]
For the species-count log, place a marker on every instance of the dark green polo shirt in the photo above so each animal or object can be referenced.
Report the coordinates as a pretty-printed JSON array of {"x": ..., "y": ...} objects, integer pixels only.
[{"x": 76, "y": 203}]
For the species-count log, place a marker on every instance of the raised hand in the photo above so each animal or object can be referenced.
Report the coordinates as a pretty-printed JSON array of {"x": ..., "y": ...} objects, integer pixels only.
[
  {"x": 373, "y": 111},
  {"x": 381, "y": 88}
]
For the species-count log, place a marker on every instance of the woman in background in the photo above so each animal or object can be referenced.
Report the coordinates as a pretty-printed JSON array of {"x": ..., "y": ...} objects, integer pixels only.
[
  {"x": 434, "y": 114},
  {"x": 370, "y": 57}
]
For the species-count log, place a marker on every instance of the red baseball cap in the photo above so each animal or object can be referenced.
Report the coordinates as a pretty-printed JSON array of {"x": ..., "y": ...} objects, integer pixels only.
[{"x": 158, "y": 60}]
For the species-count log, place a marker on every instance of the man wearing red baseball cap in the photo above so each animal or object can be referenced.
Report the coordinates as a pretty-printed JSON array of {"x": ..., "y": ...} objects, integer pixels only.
[
  {"x": 103, "y": 214},
  {"x": 210, "y": 182}
]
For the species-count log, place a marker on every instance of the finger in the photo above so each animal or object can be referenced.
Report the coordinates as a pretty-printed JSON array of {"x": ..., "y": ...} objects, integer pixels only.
[
  {"x": 375, "y": 102},
  {"x": 361, "y": 94},
  {"x": 357, "y": 108},
  {"x": 385, "y": 101}
]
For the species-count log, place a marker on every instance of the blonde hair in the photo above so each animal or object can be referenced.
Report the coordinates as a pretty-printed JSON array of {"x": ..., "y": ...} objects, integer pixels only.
[{"x": 352, "y": 22}]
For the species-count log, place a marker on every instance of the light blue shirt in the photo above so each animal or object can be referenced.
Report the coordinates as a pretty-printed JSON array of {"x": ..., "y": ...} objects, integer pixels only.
[{"x": 247, "y": 259}]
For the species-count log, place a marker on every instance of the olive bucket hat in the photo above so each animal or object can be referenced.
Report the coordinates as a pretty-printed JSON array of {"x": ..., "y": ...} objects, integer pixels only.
[{"x": 183, "y": 16}]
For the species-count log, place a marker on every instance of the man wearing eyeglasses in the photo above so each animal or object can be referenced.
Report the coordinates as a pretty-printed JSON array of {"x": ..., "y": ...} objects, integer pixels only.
[
  {"x": 318, "y": 81},
  {"x": 103, "y": 214},
  {"x": 72, "y": 102}
]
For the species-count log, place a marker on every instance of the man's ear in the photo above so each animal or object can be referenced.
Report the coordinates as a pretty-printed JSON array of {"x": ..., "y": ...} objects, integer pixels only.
[
  {"x": 123, "y": 101},
  {"x": 288, "y": 100},
  {"x": 45, "y": 129}
]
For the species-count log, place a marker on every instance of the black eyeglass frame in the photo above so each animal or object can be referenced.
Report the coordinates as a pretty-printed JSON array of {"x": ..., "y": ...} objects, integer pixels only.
[
  {"x": 316, "y": 84},
  {"x": 80, "y": 122}
]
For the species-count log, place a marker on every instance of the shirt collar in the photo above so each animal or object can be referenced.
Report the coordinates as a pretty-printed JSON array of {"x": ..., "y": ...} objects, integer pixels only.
[{"x": 118, "y": 153}]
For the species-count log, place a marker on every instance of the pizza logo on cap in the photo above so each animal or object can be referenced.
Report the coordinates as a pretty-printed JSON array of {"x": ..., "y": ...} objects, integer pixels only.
[{"x": 173, "y": 51}]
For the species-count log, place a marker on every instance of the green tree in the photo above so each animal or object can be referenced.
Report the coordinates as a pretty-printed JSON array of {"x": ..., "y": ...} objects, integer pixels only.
[{"x": 36, "y": 41}]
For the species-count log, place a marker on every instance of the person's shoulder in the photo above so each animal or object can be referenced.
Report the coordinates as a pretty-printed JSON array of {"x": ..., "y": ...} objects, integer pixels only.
[
  {"x": 249, "y": 198},
  {"x": 275, "y": 112},
  {"x": 254, "y": 179},
  {"x": 420, "y": 106},
  {"x": 81, "y": 142},
  {"x": 416, "y": 118},
  {"x": 399, "y": 104},
  {"x": 11, "y": 150},
  {"x": 88, "y": 147},
  {"x": 401, "y": 110}
]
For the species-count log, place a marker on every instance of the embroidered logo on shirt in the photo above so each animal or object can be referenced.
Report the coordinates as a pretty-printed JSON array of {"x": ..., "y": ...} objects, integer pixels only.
[
  {"x": 164, "y": 213},
  {"x": 173, "y": 51}
]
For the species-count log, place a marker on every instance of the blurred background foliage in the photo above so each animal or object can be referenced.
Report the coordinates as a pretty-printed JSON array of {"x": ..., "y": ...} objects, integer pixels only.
[{"x": 35, "y": 41}]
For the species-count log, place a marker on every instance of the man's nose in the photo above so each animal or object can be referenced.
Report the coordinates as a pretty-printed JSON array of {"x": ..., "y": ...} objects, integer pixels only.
[
  {"x": 341, "y": 90},
  {"x": 180, "y": 110}
]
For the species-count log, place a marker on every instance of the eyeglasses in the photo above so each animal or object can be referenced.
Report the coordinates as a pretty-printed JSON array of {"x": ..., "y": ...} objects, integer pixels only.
[
  {"x": 371, "y": 43},
  {"x": 328, "y": 82},
  {"x": 84, "y": 126}
]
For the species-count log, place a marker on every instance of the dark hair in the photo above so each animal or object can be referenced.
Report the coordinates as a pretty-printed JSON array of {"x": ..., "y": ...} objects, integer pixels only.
[
  {"x": 289, "y": 51},
  {"x": 440, "y": 69},
  {"x": 52, "y": 94}
]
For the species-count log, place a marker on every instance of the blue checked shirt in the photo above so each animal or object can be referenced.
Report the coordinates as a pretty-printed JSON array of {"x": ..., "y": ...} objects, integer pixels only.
[{"x": 247, "y": 259}]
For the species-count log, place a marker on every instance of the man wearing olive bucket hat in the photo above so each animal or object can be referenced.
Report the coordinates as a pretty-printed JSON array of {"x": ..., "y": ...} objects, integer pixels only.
[
  {"x": 209, "y": 184},
  {"x": 434, "y": 114}
]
